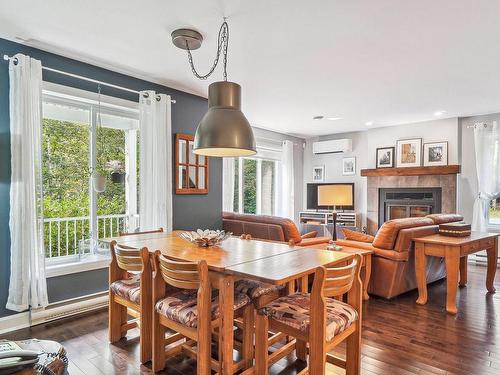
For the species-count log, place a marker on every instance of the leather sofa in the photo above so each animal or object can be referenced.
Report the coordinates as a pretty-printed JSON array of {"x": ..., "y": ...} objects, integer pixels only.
[
  {"x": 393, "y": 261},
  {"x": 272, "y": 228}
]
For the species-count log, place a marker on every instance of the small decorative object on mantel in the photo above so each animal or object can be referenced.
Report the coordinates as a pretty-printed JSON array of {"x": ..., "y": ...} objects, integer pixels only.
[
  {"x": 385, "y": 157},
  {"x": 409, "y": 152},
  {"x": 319, "y": 173},
  {"x": 349, "y": 166},
  {"x": 455, "y": 229},
  {"x": 435, "y": 154},
  {"x": 206, "y": 238}
]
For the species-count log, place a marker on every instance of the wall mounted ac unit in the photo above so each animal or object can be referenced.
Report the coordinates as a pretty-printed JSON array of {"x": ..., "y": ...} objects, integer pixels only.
[{"x": 333, "y": 146}]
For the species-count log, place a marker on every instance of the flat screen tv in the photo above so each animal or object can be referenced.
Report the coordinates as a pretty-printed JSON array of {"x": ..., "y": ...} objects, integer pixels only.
[{"x": 312, "y": 197}]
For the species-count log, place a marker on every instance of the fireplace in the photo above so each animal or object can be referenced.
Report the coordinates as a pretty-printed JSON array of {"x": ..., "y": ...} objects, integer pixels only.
[{"x": 397, "y": 203}]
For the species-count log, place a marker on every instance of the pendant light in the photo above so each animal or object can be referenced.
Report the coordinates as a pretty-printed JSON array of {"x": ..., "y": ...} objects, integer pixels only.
[{"x": 224, "y": 130}]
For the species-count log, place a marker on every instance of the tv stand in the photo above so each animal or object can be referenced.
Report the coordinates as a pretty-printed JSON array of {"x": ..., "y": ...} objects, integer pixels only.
[{"x": 323, "y": 222}]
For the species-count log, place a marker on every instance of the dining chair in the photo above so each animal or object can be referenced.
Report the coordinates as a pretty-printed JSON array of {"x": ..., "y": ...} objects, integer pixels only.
[
  {"x": 318, "y": 321},
  {"x": 130, "y": 279},
  {"x": 193, "y": 312}
]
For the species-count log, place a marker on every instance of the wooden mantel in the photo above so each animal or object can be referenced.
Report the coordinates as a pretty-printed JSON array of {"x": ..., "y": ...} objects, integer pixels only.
[{"x": 411, "y": 171}]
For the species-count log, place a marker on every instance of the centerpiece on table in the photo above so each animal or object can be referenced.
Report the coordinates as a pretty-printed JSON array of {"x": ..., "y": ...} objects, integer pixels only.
[{"x": 206, "y": 238}]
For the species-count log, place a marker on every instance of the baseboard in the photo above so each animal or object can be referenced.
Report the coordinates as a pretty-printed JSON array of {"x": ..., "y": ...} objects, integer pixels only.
[
  {"x": 54, "y": 311},
  {"x": 14, "y": 322}
]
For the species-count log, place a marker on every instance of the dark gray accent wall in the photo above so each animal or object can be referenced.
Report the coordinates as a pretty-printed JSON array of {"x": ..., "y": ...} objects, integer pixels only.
[{"x": 190, "y": 212}]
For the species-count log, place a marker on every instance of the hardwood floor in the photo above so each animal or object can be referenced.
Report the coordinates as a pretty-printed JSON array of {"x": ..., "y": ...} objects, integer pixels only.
[{"x": 399, "y": 337}]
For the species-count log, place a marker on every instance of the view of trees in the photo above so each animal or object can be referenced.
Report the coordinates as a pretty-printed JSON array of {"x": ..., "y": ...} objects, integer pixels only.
[{"x": 66, "y": 176}]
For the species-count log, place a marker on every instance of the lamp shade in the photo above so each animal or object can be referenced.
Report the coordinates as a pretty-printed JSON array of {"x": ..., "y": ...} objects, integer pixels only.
[
  {"x": 224, "y": 131},
  {"x": 335, "y": 195}
]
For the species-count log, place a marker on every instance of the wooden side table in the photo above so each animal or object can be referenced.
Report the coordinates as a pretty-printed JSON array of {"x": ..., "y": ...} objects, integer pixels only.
[{"x": 454, "y": 250}]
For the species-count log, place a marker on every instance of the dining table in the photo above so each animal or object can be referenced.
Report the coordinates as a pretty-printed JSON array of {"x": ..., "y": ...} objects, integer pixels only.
[{"x": 272, "y": 262}]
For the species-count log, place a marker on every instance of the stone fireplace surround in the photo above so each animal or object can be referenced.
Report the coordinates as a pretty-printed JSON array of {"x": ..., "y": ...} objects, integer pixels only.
[{"x": 447, "y": 183}]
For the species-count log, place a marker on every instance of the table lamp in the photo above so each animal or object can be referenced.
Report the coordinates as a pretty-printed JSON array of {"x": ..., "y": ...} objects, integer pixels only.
[{"x": 335, "y": 195}]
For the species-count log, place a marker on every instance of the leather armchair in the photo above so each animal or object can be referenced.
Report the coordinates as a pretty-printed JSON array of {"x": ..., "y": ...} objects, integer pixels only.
[{"x": 393, "y": 267}]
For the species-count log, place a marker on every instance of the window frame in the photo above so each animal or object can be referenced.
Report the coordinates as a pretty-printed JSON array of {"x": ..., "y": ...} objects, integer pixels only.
[{"x": 59, "y": 94}]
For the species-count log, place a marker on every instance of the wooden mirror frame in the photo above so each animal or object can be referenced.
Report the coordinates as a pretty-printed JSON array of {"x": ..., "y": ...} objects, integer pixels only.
[{"x": 187, "y": 164}]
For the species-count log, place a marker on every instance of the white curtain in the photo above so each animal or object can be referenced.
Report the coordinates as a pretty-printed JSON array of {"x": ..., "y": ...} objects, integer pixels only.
[
  {"x": 228, "y": 184},
  {"x": 27, "y": 285},
  {"x": 155, "y": 161},
  {"x": 286, "y": 206},
  {"x": 486, "y": 144}
]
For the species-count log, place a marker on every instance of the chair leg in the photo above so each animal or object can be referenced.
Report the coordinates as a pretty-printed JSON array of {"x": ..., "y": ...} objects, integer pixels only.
[
  {"x": 317, "y": 358},
  {"x": 117, "y": 315},
  {"x": 248, "y": 333},
  {"x": 158, "y": 344},
  {"x": 261, "y": 349},
  {"x": 353, "y": 353},
  {"x": 301, "y": 350},
  {"x": 145, "y": 337}
]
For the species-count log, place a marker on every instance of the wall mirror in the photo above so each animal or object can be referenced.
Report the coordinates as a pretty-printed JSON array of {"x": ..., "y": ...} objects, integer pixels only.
[{"x": 191, "y": 170}]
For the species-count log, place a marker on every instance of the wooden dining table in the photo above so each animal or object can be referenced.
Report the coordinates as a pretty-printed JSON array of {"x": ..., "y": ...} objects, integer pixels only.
[{"x": 271, "y": 262}]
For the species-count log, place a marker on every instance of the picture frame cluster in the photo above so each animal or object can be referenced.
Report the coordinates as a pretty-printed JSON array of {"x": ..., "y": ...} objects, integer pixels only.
[{"x": 411, "y": 153}]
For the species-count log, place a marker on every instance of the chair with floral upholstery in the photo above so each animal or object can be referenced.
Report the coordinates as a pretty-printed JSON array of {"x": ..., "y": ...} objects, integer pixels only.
[
  {"x": 317, "y": 320},
  {"x": 130, "y": 278},
  {"x": 192, "y": 311}
]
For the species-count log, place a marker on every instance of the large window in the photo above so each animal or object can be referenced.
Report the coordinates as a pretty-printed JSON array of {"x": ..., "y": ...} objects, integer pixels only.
[
  {"x": 255, "y": 181},
  {"x": 74, "y": 143}
]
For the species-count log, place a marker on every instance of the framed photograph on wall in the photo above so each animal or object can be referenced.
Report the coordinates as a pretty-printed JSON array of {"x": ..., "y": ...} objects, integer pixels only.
[
  {"x": 349, "y": 166},
  {"x": 409, "y": 152},
  {"x": 319, "y": 173},
  {"x": 435, "y": 153},
  {"x": 385, "y": 157}
]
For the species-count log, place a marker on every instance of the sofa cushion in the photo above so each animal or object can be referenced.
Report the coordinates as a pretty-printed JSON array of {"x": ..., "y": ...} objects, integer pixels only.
[
  {"x": 355, "y": 244},
  {"x": 182, "y": 307},
  {"x": 445, "y": 218},
  {"x": 388, "y": 232},
  {"x": 357, "y": 236},
  {"x": 294, "y": 311}
]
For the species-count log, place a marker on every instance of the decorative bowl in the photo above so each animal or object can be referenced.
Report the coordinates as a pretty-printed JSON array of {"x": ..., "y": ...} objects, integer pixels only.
[{"x": 206, "y": 238}]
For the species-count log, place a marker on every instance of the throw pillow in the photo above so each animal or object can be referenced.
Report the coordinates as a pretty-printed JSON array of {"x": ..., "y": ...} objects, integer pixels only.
[{"x": 357, "y": 236}]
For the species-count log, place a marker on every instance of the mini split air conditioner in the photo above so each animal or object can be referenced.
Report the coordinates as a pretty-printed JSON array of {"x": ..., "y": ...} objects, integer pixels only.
[{"x": 333, "y": 146}]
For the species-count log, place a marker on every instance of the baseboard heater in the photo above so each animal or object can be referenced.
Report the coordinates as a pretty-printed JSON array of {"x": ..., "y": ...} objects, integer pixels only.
[{"x": 67, "y": 308}]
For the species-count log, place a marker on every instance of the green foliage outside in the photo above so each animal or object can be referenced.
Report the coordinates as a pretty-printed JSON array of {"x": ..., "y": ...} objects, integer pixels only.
[
  {"x": 249, "y": 186},
  {"x": 66, "y": 173}
]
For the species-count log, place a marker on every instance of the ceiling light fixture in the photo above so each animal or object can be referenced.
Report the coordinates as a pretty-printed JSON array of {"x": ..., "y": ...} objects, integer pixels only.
[
  {"x": 224, "y": 130},
  {"x": 334, "y": 118},
  {"x": 369, "y": 123},
  {"x": 318, "y": 117},
  {"x": 439, "y": 113}
]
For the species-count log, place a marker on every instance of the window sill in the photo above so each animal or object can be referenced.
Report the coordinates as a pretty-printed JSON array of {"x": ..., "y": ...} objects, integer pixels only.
[{"x": 67, "y": 268}]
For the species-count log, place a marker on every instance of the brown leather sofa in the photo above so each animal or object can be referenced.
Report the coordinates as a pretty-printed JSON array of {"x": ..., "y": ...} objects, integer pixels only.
[
  {"x": 393, "y": 261},
  {"x": 271, "y": 228}
]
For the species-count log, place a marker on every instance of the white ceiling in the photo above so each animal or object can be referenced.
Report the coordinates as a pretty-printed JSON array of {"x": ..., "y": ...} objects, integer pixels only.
[{"x": 386, "y": 61}]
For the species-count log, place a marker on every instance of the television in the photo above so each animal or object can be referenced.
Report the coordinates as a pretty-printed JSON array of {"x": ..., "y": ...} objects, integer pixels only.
[{"x": 312, "y": 196}]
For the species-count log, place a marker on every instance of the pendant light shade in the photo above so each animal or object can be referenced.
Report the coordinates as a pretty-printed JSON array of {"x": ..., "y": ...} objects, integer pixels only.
[{"x": 224, "y": 130}]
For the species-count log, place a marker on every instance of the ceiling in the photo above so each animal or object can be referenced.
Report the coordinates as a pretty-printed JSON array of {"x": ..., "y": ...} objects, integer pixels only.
[{"x": 385, "y": 61}]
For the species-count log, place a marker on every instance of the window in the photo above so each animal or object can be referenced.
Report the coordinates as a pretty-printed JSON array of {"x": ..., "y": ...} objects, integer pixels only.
[
  {"x": 255, "y": 181},
  {"x": 75, "y": 215}
]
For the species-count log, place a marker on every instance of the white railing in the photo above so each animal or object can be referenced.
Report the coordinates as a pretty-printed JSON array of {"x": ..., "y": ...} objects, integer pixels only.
[{"x": 63, "y": 235}]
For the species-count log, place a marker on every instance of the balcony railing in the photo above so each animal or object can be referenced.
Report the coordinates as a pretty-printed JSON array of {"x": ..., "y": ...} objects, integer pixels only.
[{"x": 63, "y": 235}]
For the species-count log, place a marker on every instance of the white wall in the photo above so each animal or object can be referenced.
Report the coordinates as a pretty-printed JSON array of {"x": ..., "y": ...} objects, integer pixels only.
[{"x": 364, "y": 149}]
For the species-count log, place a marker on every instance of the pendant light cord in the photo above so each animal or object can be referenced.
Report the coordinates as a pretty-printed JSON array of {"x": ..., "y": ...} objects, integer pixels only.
[{"x": 222, "y": 47}]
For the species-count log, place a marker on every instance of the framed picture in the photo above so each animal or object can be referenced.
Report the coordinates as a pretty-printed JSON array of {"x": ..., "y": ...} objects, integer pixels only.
[
  {"x": 409, "y": 152},
  {"x": 385, "y": 157},
  {"x": 349, "y": 166},
  {"x": 319, "y": 173},
  {"x": 435, "y": 153}
]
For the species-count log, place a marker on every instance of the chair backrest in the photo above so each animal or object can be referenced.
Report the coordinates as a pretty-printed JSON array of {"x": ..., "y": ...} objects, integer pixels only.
[
  {"x": 338, "y": 280},
  {"x": 184, "y": 275},
  {"x": 122, "y": 234},
  {"x": 128, "y": 258}
]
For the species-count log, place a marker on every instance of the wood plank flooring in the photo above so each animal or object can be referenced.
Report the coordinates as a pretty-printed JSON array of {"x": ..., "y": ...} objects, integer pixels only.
[{"x": 399, "y": 337}]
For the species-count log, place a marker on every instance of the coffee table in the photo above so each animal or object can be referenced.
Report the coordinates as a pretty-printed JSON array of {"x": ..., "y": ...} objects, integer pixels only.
[{"x": 454, "y": 250}]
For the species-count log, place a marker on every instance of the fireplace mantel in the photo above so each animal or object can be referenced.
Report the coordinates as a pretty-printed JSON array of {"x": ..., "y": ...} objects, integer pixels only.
[{"x": 412, "y": 171}]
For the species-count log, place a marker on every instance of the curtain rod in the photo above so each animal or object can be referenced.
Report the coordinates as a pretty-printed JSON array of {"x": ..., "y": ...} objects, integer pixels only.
[{"x": 7, "y": 58}]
